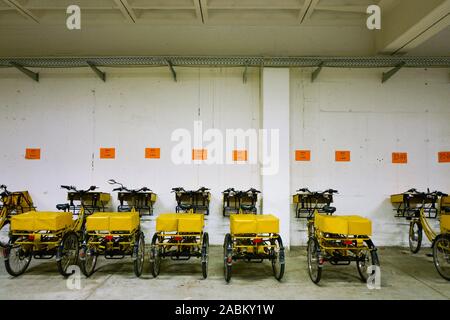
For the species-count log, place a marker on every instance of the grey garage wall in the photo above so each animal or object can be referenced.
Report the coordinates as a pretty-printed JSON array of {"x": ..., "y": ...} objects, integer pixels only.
[{"x": 352, "y": 110}]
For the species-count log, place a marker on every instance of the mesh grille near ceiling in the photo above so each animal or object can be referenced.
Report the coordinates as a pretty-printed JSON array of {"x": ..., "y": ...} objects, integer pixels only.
[{"x": 338, "y": 62}]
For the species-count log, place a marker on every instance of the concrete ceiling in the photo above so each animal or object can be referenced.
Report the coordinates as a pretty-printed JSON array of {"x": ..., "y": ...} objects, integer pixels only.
[
  {"x": 189, "y": 12},
  {"x": 218, "y": 27}
]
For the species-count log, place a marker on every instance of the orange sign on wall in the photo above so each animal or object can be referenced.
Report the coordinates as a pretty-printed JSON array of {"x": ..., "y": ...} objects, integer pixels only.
[
  {"x": 199, "y": 154},
  {"x": 342, "y": 156},
  {"x": 152, "y": 153},
  {"x": 444, "y": 156},
  {"x": 399, "y": 157},
  {"x": 239, "y": 155},
  {"x": 302, "y": 155},
  {"x": 107, "y": 153},
  {"x": 33, "y": 153}
]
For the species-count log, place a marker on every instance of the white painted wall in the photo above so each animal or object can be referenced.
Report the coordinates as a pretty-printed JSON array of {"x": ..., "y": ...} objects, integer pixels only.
[
  {"x": 352, "y": 110},
  {"x": 70, "y": 114}
]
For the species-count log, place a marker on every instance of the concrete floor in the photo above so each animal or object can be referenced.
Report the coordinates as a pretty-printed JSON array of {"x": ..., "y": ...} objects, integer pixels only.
[{"x": 403, "y": 276}]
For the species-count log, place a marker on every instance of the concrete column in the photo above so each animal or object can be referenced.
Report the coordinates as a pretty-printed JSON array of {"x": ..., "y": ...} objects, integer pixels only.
[{"x": 276, "y": 177}]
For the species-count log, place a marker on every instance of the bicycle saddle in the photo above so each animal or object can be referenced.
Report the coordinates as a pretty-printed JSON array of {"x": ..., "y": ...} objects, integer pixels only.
[
  {"x": 328, "y": 209},
  {"x": 63, "y": 206}
]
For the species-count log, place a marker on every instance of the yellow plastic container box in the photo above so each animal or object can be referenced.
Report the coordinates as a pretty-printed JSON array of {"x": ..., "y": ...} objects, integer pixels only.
[
  {"x": 190, "y": 223},
  {"x": 167, "y": 222},
  {"x": 243, "y": 223},
  {"x": 112, "y": 221},
  {"x": 37, "y": 221},
  {"x": 344, "y": 225},
  {"x": 267, "y": 223}
]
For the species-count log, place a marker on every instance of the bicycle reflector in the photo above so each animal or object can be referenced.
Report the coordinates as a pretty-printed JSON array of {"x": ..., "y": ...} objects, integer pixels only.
[
  {"x": 109, "y": 237},
  {"x": 257, "y": 240},
  {"x": 348, "y": 242},
  {"x": 177, "y": 238},
  {"x": 31, "y": 237}
]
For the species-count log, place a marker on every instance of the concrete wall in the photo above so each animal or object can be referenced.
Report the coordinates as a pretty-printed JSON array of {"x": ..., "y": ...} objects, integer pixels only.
[
  {"x": 352, "y": 110},
  {"x": 70, "y": 114}
]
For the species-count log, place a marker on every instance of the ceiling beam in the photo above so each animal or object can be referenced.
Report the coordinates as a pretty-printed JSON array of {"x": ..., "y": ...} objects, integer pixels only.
[
  {"x": 412, "y": 23},
  {"x": 274, "y": 6},
  {"x": 307, "y": 10},
  {"x": 126, "y": 10},
  {"x": 21, "y": 10}
]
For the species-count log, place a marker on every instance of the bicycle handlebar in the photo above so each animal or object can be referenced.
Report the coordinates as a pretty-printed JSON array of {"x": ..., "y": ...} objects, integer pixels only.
[{"x": 91, "y": 188}]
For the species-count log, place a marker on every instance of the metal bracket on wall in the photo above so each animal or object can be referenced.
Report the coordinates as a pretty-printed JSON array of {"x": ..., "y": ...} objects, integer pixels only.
[
  {"x": 174, "y": 74},
  {"x": 316, "y": 72},
  {"x": 244, "y": 75},
  {"x": 98, "y": 72},
  {"x": 31, "y": 74},
  {"x": 390, "y": 73}
]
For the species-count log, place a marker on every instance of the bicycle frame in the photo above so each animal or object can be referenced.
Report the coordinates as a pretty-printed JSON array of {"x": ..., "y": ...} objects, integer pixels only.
[{"x": 428, "y": 230}]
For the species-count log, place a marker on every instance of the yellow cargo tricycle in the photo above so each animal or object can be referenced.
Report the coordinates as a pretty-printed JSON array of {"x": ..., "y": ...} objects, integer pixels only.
[
  {"x": 254, "y": 238},
  {"x": 339, "y": 240},
  {"x": 179, "y": 236},
  {"x": 44, "y": 235},
  {"x": 114, "y": 235}
]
